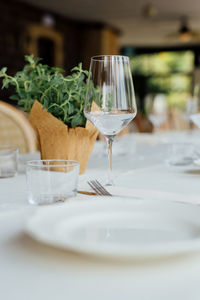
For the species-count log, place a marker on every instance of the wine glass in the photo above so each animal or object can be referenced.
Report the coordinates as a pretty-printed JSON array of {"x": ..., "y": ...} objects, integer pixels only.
[
  {"x": 110, "y": 99},
  {"x": 192, "y": 106},
  {"x": 157, "y": 110}
]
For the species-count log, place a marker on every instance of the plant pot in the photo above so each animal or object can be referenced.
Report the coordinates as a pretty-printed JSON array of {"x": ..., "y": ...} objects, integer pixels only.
[{"x": 57, "y": 141}]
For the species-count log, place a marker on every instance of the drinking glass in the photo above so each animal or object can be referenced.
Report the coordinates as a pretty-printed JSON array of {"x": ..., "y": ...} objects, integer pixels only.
[
  {"x": 110, "y": 99},
  {"x": 157, "y": 110},
  {"x": 181, "y": 154},
  {"x": 50, "y": 181},
  {"x": 8, "y": 161},
  {"x": 195, "y": 118},
  {"x": 190, "y": 109}
]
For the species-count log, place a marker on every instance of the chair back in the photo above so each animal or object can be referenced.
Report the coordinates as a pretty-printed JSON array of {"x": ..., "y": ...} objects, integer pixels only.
[{"x": 15, "y": 129}]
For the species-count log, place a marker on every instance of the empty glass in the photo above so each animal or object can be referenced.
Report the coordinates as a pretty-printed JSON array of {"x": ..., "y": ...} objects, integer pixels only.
[
  {"x": 50, "y": 181},
  {"x": 8, "y": 161},
  {"x": 191, "y": 109},
  {"x": 195, "y": 118},
  {"x": 157, "y": 110},
  {"x": 181, "y": 154}
]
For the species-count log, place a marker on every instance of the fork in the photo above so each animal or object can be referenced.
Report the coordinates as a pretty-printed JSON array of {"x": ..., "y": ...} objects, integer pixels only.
[
  {"x": 98, "y": 188},
  {"x": 101, "y": 191}
]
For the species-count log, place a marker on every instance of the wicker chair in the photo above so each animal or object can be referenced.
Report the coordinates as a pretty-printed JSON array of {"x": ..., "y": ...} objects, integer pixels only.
[{"x": 15, "y": 129}]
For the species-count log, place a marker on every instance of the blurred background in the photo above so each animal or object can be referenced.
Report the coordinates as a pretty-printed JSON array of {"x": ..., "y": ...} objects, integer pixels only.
[{"x": 162, "y": 39}]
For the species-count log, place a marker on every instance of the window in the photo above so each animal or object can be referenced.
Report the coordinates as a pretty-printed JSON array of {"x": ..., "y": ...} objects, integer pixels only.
[{"x": 167, "y": 72}]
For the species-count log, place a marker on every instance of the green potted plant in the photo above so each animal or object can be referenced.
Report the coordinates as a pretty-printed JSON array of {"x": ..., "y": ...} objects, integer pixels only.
[{"x": 55, "y": 105}]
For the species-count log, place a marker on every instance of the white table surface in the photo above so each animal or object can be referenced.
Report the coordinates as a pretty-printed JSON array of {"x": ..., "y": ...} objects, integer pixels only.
[{"x": 29, "y": 270}]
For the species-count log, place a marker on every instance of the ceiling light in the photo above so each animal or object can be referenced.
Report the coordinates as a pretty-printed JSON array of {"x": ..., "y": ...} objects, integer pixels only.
[
  {"x": 48, "y": 20},
  {"x": 185, "y": 34}
]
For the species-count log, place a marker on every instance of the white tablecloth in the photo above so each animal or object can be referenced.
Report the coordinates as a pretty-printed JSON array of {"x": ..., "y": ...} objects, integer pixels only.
[{"x": 29, "y": 270}]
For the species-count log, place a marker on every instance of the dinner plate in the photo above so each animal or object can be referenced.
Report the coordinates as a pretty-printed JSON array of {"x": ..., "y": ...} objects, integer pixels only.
[{"x": 119, "y": 227}]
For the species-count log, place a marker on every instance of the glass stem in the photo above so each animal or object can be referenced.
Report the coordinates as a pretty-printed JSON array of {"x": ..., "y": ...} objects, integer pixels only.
[{"x": 109, "y": 141}]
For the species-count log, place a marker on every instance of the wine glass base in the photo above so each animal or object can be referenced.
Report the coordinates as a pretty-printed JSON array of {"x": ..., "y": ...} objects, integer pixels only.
[{"x": 110, "y": 183}]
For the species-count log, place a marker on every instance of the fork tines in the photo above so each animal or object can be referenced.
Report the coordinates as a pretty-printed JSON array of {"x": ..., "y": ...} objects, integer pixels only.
[{"x": 98, "y": 188}]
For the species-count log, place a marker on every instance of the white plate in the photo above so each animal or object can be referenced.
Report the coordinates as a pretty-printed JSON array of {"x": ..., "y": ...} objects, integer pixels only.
[{"x": 119, "y": 227}]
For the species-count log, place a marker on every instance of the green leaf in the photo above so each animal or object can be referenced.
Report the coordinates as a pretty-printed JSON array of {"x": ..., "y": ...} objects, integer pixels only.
[
  {"x": 3, "y": 72},
  {"x": 76, "y": 120},
  {"x": 61, "y": 95},
  {"x": 70, "y": 108},
  {"x": 14, "y": 97}
]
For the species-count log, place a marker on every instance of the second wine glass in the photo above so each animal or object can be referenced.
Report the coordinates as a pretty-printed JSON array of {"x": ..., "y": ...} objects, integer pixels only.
[{"x": 110, "y": 100}]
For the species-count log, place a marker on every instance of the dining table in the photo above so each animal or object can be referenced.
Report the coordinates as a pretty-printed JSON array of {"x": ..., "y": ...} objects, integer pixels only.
[{"x": 31, "y": 270}]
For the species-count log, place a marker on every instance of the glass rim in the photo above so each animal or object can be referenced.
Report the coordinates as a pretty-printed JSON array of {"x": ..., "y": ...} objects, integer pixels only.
[
  {"x": 35, "y": 163},
  {"x": 101, "y": 58}
]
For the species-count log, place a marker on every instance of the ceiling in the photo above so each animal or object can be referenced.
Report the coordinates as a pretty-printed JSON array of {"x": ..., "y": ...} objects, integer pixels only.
[{"x": 128, "y": 16}]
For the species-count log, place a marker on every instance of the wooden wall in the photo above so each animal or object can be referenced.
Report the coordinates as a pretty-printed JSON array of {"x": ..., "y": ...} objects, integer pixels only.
[
  {"x": 98, "y": 39},
  {"x": 81, "y": 40}
]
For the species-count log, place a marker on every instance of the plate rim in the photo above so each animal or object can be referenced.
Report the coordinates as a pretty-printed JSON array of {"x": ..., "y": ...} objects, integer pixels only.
[{"x": 181, "y": 247}]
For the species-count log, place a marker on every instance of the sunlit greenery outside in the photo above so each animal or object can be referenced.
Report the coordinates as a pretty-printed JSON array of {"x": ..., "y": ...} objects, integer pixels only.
[{"x": 168, "y": 73}]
